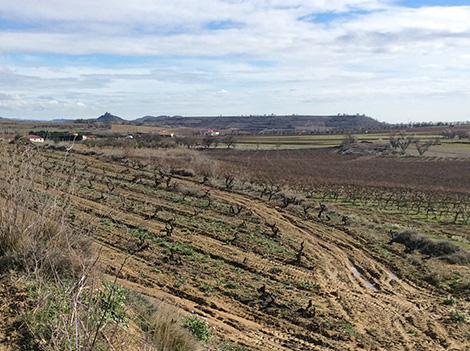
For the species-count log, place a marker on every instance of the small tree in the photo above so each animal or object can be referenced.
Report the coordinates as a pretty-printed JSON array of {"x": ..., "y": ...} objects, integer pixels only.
[
  {"x": 394, "y": 141},
  {"x": 422, "y": 147},
  {"x": 404, "y": 142},
  {"x": 229, "y": 140},
  {"x": 208, "y": 141},
  {"x": 448, "y": 134}
]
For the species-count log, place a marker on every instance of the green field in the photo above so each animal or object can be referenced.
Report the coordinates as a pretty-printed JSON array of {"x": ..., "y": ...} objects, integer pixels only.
[{"x": 460, "y": 147}]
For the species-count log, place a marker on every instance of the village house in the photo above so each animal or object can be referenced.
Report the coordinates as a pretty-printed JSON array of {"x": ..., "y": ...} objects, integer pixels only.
[
  {"x": 211, "y": 132},
  {"x": 35, "y": 138}
]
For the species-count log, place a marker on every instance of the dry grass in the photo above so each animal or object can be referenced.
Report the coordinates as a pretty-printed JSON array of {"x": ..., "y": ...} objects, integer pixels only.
[
  {"x": 166, "y": 332},
  {"x": 35, "y": 234}
]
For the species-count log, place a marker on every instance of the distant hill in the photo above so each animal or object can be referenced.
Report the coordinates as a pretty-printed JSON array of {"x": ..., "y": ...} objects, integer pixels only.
[
  {"x": 150, "y": 119},
  {"x": 109, "y": 118},
  {"x": 106, "y": 118},
  {"x": 268, "y": 124}
]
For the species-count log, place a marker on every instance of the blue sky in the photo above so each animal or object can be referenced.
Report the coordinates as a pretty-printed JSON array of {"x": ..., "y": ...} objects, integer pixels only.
[{"x": 397, "y": 61}]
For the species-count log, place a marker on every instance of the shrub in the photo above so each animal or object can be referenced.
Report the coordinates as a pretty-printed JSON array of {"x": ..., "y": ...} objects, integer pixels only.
[
  {"x": 199, "y": 328},
  {"x": 434, "y": 248},
  {"x": 110, "y": 301},
  {"x": 458, "y": 317},
  {"x": 231, "y": 285},
  {"x": 36, "y": 236},
  {"x": 449, "y": 301},
  {"x": 459, "y": 257}
]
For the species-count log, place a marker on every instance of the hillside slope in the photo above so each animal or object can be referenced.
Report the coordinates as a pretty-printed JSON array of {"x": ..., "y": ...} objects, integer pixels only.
[
  {"x": 264, "y": 277},
  {"x": 257, "y": 124},
  {"x": 212, "y": 251}
]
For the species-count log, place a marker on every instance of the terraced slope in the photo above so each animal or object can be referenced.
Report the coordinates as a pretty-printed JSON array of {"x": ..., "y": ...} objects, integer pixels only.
[{"x": 263, "y": 276}]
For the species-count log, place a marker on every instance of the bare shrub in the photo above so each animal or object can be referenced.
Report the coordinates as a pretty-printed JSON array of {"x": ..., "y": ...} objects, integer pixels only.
[
  {"x": 459, "y": 257},
  {"x": 434, "y": 248}
]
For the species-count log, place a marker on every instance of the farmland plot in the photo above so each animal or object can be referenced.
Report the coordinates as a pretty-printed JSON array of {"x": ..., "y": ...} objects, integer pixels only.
[{"x": 266, "y": 275}]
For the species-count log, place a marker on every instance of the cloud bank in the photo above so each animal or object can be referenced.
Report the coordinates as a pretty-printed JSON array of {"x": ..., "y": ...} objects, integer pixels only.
[{"x": 391, "y": 60}]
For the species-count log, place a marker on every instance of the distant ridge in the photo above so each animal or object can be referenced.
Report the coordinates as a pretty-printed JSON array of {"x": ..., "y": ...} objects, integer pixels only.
[
  {"x": 20, "y": 119},
  {"x": 253, "y": 124},
  {"x": 149, "y": 119},
  {"x": 268, "y": 124}
]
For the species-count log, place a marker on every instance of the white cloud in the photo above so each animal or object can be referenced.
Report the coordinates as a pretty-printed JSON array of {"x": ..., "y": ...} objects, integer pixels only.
[{"x": 269, "y": 60}]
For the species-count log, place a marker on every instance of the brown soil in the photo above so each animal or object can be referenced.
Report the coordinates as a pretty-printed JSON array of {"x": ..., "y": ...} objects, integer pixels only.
[
  {"x": 14, "y": 302},
  {"x": 249, "y": 285}
]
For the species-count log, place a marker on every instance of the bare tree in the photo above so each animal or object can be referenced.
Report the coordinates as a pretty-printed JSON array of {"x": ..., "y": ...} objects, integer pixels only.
[
  {"x": 422, "y": 147},
  {"x": 404, "y": 142},
  {"x": 462, "y": 134},
  {"x": 394, "y": 141},
  {"x": 349, "y": 139},
  {"x": 401, "y": 141},
  {"x": 189, "y": 141},
  {"x": 207, "y": 141},
  {"x": 448, "y": 134},
  {"x": 229, "y": 140}
]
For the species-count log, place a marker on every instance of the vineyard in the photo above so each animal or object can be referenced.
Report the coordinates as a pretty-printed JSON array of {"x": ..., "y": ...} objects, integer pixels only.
[
  {"x": 281, "y": 250},
  {"x": 430, "y": 189}
]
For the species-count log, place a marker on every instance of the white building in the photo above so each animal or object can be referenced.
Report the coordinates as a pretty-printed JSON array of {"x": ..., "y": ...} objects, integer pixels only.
[{"x": 35, "y": 138}]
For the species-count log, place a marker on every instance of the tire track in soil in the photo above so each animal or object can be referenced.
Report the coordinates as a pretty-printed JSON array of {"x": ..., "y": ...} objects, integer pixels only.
[{"x": 405, "y": 314}]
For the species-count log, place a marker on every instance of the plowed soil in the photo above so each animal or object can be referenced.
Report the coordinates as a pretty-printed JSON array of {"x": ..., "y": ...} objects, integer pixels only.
[{"x": 250, "y": 283}]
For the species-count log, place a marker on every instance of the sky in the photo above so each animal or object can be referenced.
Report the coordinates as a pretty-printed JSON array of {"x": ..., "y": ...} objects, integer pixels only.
[{"x": 396, "y": 61}]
